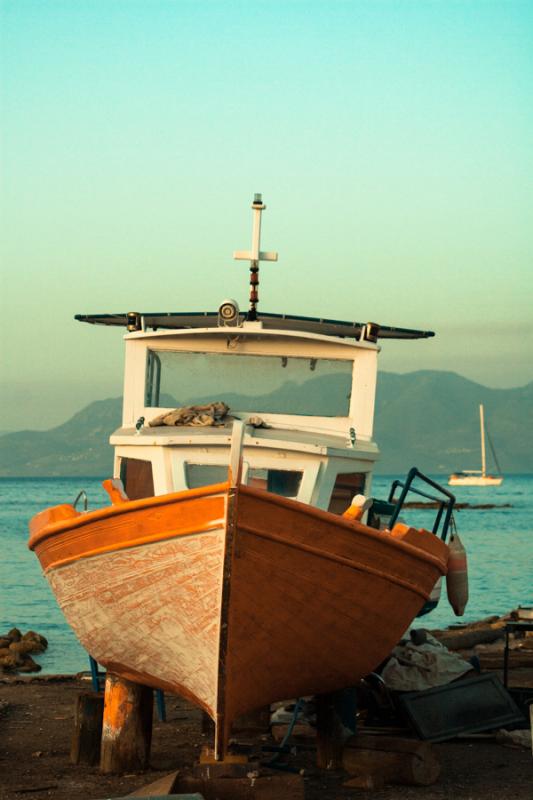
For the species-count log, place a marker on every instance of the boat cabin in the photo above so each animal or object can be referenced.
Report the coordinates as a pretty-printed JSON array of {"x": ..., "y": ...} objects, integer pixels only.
[{"x": 309, "y": 397}]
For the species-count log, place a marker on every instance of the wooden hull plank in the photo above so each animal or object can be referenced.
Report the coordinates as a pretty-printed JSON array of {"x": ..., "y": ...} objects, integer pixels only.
[{"x": 151, "y": 610}]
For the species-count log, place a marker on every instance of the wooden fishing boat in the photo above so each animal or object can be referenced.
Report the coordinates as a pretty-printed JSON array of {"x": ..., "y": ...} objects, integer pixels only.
[{"x": 223, "y": 569}]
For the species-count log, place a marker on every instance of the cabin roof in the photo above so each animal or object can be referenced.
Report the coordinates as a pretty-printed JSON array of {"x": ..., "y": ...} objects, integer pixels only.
[{"x": 210, "y": 319}]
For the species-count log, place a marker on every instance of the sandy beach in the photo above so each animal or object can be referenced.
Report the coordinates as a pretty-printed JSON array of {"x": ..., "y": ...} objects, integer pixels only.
[{"x": 36, "y": 725}]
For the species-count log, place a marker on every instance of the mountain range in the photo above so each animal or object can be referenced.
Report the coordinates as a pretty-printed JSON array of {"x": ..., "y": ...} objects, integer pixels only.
[{"x": 428, "y": 418}]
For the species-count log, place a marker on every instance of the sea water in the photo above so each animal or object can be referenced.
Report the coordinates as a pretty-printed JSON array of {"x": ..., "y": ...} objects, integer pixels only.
[{"x": 498, "y": 541}]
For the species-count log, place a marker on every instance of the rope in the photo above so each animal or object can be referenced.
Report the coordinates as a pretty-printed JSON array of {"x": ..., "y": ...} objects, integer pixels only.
[
  {"x": 453, "y": 526},
  {"x": 493, "y": 451},
  {"x": 282, "y": 748}
]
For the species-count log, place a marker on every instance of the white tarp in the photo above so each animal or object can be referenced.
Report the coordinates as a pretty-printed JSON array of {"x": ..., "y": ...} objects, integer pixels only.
[{"x": 416, "y": 667}]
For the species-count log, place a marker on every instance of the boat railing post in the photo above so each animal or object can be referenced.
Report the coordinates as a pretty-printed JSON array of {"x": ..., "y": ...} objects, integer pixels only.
[{"x": 235, "y": 456}]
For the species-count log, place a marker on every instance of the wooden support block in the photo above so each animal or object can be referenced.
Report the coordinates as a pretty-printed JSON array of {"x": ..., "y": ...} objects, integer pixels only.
[
  {"x": 268, "y": 786},
  {"x": 302, "y": 730},
  {"x": 331, "y": 733},
  {"x": 225, "y": 769},
  {"x": 233, "y": 765},
  {"x": 388, "y": 759},
  {"x": 127, "y": 726},
  {"x": 88, "y": 715},
  {"x": 368, "y": 782}
]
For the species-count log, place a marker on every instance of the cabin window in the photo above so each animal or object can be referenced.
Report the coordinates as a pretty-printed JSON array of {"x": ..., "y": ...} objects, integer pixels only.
[
  {"x": 263, "y": 384},
  {"x": 347, "y": 484},
  {"x": 137, "y": 477},
  {"x": 197, "y": 475},
  {"x": 278, "y": 481}
]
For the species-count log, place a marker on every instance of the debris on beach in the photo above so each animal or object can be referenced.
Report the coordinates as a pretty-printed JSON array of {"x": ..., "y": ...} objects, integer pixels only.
[
  {"x": 16, "y": 649},
  {"x": 516, "y": 738},
  {"x": 485, "y": 640},
  {"x": 418, "y": 664}
]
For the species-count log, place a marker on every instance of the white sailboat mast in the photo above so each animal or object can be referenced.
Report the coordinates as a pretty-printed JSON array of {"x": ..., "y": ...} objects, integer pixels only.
[{"x": 482, "y": 426}]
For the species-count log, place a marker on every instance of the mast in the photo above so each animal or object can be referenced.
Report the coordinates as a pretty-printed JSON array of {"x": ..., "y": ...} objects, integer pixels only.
[
  {"x": 482, "y": 426},
  {"x": 255, "y": 255}
]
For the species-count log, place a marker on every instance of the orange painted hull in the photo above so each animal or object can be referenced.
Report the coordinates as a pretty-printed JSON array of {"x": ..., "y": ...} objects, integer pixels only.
[{"x": 234, "y": 598}]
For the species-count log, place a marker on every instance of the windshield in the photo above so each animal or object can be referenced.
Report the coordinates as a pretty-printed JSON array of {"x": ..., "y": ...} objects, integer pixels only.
[{"x": 259, "y": 384}]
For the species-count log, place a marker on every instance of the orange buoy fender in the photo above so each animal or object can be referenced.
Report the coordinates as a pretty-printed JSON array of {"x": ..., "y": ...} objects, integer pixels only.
[
  {"x": 457, "y": 576},
  {"x": 359, "y": 505}
]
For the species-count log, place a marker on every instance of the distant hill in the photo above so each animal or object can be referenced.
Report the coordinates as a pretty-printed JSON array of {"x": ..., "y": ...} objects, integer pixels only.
[
  {"x": 78, "y": 447},
  {"x": 431, "y": 419},
  {"x": 427, "y": 418},
  {"x": 321, "y": 388}
]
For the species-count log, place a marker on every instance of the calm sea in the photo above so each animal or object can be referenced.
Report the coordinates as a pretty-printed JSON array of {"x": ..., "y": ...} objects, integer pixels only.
[{"x": 499, "y": 544}]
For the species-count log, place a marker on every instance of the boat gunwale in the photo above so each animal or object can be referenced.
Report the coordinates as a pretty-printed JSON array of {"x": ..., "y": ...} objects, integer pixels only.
[
  {"x": 40, "y": 534},
  {"x": 351, "y": 526},
  {"x": 50, "y": 530},
  {"x": 101, "y": 550}
]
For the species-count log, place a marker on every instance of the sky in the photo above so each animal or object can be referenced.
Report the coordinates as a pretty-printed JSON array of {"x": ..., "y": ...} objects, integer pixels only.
[{"x": 392, "y": 142}]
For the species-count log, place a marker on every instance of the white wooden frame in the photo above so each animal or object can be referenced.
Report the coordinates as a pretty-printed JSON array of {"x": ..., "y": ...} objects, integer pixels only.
[
  {"x": 168, "y": 465},
  {"x": 264, "y": 343}
]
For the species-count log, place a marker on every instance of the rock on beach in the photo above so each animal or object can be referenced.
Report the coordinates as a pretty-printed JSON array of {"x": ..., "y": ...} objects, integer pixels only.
[{"x": 16, "y": 649}]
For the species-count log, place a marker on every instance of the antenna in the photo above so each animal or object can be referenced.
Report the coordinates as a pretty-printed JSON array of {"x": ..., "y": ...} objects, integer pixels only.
[{"x": 255, "y": 255}]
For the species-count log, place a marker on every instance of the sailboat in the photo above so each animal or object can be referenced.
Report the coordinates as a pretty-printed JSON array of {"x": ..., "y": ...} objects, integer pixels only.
[{"x": 476, "y": 477}]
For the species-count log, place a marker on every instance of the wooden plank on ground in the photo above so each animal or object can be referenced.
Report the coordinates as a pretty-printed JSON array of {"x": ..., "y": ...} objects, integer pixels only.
[
  {"x": 280, "y": 786},
  {"x": 380, "y": 760}
]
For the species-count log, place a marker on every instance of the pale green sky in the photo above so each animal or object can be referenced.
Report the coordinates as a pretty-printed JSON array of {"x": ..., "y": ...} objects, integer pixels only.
[{"x": 392, "y": 142}]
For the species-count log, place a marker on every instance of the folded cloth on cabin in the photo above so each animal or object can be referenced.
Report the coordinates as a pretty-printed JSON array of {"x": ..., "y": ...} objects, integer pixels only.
[
  {"x": 200, "y": 416},
  {"x": 414, "y": 667}
]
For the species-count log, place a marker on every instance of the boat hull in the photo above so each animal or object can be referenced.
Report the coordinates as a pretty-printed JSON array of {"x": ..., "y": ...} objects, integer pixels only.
[
  {"x": 234, "y": 598},
  {"x": 473, "y": 480}
]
